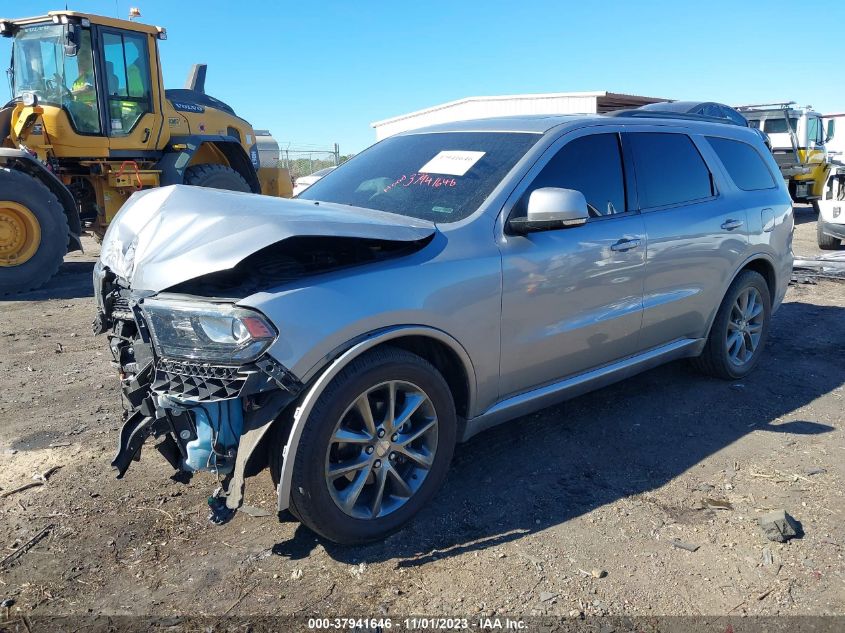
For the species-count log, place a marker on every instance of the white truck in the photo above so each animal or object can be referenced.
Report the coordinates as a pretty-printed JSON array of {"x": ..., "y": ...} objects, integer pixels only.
[{"x": 799, "y": 139}]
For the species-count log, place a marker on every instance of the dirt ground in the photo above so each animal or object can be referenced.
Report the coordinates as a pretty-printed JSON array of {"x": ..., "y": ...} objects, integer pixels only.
[{"x": 569, "y": 511}]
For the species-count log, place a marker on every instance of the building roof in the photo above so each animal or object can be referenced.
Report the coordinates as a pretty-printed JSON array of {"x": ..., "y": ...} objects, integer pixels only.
[{"x": 610, "y": 101}]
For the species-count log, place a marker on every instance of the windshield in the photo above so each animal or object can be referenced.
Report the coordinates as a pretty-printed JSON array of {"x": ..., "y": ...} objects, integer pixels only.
[
  {"x": 437, "y": 177},
  {"x": 40, "y": 66}
]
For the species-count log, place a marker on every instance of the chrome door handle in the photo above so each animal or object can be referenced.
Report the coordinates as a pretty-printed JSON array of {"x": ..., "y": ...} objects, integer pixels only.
[
  {"x": 730, "y": 225},
  {"x": 625, "y": 245}
]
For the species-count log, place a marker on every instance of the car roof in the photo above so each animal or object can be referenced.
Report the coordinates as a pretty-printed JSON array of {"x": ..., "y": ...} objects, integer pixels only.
[
  {"x": 544, "y": 123},
  {"x": 678, "y": 106}
]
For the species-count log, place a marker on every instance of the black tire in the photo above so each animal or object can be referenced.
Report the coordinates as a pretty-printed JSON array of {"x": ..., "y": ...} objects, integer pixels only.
[
  {"x": 216, "y": 177},
  {"x": 311, "y": 500},
  {"x": 815, "y": 205},
  {"x": 18, "y": 187},
  {"x": 714, "y": 360},
  {"x": 826, "y": 242}
]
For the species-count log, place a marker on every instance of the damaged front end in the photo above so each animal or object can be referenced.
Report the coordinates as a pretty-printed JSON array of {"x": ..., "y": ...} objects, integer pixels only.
[
  {"x": 195, "y": 366},
  {"x": 194, "y": 374}
]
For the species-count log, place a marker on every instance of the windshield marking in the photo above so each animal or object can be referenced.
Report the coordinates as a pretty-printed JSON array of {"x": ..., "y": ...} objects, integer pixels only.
[{"x": 421, "y": 179}]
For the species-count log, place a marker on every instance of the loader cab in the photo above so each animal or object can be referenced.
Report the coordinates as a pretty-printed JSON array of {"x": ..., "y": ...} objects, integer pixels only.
[{"x": 104, "y": 77}]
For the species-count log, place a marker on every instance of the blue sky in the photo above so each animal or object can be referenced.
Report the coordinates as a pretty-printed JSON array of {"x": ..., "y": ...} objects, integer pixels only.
[{"x": 316, "y": 73}]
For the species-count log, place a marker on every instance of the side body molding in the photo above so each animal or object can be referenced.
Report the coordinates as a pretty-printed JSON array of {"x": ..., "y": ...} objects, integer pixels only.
[{"x": 300, "y": 416}]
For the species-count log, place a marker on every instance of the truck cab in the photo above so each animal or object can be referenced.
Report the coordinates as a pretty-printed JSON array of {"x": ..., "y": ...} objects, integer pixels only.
[
  {"x": 96, "y": 86},
  {"x": 799, "y": 138}
]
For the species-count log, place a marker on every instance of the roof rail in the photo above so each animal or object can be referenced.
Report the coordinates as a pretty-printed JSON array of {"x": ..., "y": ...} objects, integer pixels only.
[{"x": 657, "y": 114}]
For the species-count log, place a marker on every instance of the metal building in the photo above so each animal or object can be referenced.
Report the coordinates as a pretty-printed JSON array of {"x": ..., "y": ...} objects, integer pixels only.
[{"x": 508, "y": 105}]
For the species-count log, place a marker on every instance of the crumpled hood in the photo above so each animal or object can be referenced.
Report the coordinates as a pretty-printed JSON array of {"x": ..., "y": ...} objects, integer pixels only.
[{"x": 165, "y": 236}]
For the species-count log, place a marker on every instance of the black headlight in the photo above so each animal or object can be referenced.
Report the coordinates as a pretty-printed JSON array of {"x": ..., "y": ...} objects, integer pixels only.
[{"x": 214, "y": 332}]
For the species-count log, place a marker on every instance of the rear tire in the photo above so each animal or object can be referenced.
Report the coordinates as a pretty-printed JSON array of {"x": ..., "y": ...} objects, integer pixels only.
[
  {"x": 826, "y": 242},
  {"x": 318, "y": 492},
  {"x": 216, "y": 177},
  {"x": 732, "y": 351},
  {"x": 25, "y": 192}
]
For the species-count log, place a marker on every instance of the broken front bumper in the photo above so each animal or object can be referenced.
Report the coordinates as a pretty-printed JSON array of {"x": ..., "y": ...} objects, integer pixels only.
[{"x": 206, "y": 416}]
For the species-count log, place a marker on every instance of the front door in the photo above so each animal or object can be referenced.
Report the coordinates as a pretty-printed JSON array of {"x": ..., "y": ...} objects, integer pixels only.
[
  {"x": 131, "y": 123},
  {"x": 572, "y": 297}
]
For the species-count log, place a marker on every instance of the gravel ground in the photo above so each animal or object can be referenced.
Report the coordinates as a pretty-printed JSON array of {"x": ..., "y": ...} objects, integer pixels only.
[{"x": 569, "y": 511}]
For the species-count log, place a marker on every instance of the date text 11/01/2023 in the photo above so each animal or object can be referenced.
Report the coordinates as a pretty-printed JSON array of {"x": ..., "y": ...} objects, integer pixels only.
[{"x": 418, "y": 624}]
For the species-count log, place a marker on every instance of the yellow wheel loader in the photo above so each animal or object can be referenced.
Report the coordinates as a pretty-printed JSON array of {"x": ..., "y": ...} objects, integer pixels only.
[{"x": 90, "y": 122}]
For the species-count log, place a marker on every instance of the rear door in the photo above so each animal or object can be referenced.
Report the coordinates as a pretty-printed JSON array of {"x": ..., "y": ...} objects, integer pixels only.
[
  {"x": 697, "y": 237},
  {"x": 572, "y": 297}
]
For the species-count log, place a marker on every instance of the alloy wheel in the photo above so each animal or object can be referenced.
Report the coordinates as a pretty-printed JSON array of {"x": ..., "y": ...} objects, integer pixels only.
[
  {"x": 381, "y": 449},
  {"x": 745, "y": 326}
]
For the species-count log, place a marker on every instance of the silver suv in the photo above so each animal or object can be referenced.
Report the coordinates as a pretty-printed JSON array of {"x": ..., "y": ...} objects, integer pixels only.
[{"x": 441, "y": 282}]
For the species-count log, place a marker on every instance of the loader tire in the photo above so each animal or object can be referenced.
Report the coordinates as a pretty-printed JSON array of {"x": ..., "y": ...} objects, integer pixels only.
[
  {"x": 33, "y": 232},
  {"x": 216, "y": 177}
]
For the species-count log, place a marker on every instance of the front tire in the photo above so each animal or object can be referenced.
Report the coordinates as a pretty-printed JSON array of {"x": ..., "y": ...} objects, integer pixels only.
[
  {"x": 33, "y": 232},
  {"x": 740, "y": 330},
  {"x": 825, "y": 242},
  {"x": 375, "y": 449}
]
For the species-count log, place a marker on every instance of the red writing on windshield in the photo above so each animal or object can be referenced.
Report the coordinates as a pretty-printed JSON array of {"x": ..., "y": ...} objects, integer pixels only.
[{"x": 421, "y": 180}]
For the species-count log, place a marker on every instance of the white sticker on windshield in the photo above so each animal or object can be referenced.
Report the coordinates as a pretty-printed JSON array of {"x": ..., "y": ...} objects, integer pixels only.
[{"x": 452, "y": 162}]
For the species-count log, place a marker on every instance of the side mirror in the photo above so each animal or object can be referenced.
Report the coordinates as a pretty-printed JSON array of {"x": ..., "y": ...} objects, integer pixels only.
[
  {"x": 551, "y": 208},
  {"x": 831, "y": 129},
  {"x": 71, "y": 40}
]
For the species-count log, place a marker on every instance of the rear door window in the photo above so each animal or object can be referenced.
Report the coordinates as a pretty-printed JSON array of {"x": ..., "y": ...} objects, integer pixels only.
[
  {"x": 589, "y": 164},
  {"x": 744, "y": 164},
  {"x": 669, "y": 169}
]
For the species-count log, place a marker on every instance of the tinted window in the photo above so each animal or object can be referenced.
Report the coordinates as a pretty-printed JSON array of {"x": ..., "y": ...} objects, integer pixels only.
[
  {"x": 778, "y": 125},
  {"x": 127, "y": 79},
  {"x": 438, "y": 177},
  {"x": 743, "y": 163},
  {"x": 669, "y": 169},
  {"x": 734, "y": 116},
  {"x": 592, "y": 165},
  {"x": 711, "y": 109}
]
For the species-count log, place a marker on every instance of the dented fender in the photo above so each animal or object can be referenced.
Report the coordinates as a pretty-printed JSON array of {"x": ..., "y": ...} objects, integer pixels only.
[{"x": 313, "y": 393}]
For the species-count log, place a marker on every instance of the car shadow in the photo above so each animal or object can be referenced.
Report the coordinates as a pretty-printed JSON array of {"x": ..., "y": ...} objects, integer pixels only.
[
  {"x": 804, "y": 215},
  {"x": 630, "y": 438},
  {"x": 72, "y": 281}
]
